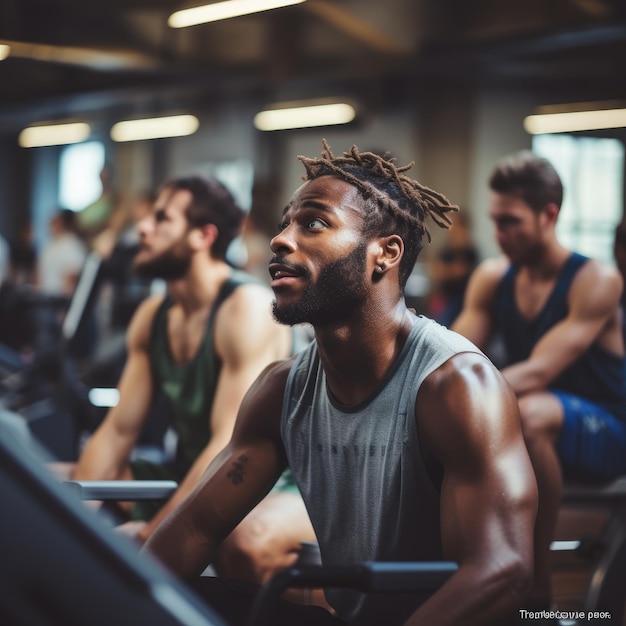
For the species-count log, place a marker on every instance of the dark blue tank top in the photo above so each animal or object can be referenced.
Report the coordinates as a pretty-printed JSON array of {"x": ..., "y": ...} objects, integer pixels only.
[{"x": 597, "y": 375}]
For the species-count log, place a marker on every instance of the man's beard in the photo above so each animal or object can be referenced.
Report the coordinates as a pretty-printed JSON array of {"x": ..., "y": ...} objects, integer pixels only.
[
  {"x": 340, "y": 288},
  {"x": 525, "y": 255},
  {"x": 171, "y": 264}
]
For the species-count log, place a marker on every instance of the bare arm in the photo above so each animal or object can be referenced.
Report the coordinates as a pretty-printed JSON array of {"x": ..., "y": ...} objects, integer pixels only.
[
  {"x": 593, "y": 316},
  {"x": 488, "y": 500},
  {"x": 239, "y": 477},
  {"x": 475, "y": 321},
  {"x": 247, "y": 339},
  {"x": 106, "y": 454}
]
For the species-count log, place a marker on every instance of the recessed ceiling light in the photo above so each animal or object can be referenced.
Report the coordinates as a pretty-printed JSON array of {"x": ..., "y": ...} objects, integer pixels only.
[
  {"x": 223, "y": 11},
  {"x": 573, "y": 121},
  {"x": 304, "y": 115},
  {"x": 155, "y": 128},
  {"x": 54, "y": 134}
]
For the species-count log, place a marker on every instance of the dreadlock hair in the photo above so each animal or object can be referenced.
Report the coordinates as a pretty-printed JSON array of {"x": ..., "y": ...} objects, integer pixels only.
[
  {"x": 529, "y": 177},
  {"x": 211, "y": 203},
  {"x": 395, "y": 203}
]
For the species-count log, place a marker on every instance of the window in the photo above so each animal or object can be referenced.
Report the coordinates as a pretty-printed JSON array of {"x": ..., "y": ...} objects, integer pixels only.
[
  {"x": 79, "y": 175},
  {"x": 592, "y": 171},
  {"x": 236, "y": 175}
]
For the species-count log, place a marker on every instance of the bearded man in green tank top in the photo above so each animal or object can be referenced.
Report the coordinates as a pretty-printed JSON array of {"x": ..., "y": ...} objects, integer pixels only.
[
  {"x": 403, "y": 438},
  {"x": 202, "y": 345}
]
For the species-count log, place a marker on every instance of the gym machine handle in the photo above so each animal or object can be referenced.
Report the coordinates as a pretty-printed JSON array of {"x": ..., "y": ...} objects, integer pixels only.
[
  {"x": 369, "y": 576},
  {"x": 129, "y": 490}
]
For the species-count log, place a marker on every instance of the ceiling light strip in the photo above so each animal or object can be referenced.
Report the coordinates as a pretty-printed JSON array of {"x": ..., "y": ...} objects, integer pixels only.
[
  {"x": 573, "y": 121},
  {"x": 223, "y": 11},
  {"x": 155, "y": 128},
  {"x": 305, "y": 116},
  {"x": 53, "y": 134}
]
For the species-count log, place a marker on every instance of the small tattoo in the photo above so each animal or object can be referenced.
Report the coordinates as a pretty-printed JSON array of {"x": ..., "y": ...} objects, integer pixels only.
[{"x": 236, "y": 474}]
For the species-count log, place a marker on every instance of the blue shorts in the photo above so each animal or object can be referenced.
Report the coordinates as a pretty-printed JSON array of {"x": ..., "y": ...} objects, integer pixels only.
[{"x": 592, "y": 442}]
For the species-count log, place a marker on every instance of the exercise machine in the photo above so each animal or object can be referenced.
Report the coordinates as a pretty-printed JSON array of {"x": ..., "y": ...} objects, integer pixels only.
[{"x": 61, "y": 564}]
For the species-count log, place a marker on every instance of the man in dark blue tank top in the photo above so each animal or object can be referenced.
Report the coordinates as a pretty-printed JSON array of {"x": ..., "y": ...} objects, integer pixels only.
[{"x": 557, "y": 313}]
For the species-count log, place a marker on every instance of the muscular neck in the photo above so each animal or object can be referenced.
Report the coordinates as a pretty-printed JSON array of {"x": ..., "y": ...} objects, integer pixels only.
[
  {"x": 357, "y": 355},
  {"x": 198, "y": 289},
  {"x": 546, "y": 265}
]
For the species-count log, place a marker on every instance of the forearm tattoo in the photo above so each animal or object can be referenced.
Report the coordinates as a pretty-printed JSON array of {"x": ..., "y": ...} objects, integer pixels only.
[{"x": 237, "y": 473}]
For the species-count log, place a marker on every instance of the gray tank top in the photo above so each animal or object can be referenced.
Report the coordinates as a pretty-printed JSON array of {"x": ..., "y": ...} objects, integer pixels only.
[{"x": 360, "y": 469}]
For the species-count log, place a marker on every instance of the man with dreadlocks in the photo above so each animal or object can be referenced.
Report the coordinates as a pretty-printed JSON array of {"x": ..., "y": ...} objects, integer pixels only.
[{"x": 402, "y": 437}]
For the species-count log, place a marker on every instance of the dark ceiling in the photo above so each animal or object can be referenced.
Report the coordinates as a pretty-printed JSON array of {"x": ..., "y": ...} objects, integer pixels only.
[{"x": 69, "y": 53}]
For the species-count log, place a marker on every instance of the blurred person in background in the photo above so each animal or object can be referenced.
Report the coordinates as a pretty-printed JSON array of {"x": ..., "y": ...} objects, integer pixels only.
[
  {"x": 119, "y": 230},
  {"x": 104, "y": 214},
  {"x": 449, "y": 269},
  {"x": 127, "y": 288},
  {"x": 201, "y": 345},
  {"x": 559, "y": 316},
  {"x": 59, "y": 264},
  {"x": 62, "y": 257}
]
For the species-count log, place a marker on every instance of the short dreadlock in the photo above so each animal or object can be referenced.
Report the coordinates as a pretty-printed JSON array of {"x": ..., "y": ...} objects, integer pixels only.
[{"x": 400, "y": 204}]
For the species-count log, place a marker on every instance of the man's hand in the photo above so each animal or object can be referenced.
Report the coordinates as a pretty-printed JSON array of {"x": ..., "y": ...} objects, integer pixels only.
[{"x": 133, "y": 530}]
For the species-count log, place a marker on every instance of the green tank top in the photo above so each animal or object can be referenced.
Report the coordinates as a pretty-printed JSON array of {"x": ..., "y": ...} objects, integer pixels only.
[{"x": 190, "y": 387}]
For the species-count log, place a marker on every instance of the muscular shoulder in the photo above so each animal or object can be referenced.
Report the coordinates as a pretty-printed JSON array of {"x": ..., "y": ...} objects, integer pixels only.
[
  {"x": 249, "y": 297},
  {"x": 491, "y": 271},
  {"x": 138, "y": 334},
  {"x": 466, "y": 372},
  {"x": 262, "y": 405},
  {"x": 596, "y": 289},
  {"x": 245, "y": 319},
  {"x": 468, "y": 399},
  {"x": 273, "y": 378},
  {"x": 598, "y": 274},
  {"x": 485, "y": 280}
]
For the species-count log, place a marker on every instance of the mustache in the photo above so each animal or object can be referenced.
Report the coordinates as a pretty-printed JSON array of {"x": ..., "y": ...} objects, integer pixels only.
[{"x": 296, "y": 267}]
